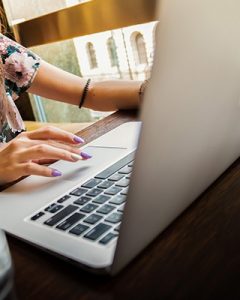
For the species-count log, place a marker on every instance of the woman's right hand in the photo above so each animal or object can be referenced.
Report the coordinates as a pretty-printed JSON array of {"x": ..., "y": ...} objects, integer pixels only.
[{"x": 24, "y": 154}]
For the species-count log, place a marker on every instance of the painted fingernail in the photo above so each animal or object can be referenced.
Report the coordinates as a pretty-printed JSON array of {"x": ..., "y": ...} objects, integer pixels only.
[
  {"x": 77, "y": 139},
  {"x": 76, "y": 157},
  {"x": 85, "y": 155},
  {"x": 56, "y": 173}
]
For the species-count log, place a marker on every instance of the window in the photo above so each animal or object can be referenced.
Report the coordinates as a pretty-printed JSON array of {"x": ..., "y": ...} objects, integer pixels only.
[
  {"x": 28, "y": 9},
  {"x": 112, "y": 52},
  {"x": 91, "y": 56},
  {"x": 139, "y": 48}
]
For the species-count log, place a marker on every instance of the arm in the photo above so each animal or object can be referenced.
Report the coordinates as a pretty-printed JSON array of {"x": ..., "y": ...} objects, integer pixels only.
[
  {"x": 25, "y": 154},
  {"x": 54, "y": 83}
]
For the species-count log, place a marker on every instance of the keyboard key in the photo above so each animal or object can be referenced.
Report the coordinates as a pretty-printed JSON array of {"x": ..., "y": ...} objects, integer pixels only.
[
  {"x": 125, "y": 170},
  {"x": 117, "y": 228},
  {"x": 78, "y": 192},
  {"x": 113, "y": 190},
  {"x": 69, "y": 222},
  {"x": 101, "y": 199},
  {"x": 53, "y": 208},
  {"x": 115, "y": 167},
  {"x": 97, "y": 231},
  {"x": 94, "y": 192},
  {"x": 107, "y": 238},
  {"x": 121, "y": 209},
  {"x": 61, "y": 215},
  {"x": 116, "y": 177},
  {"x": 82, "y": 200},
  {"x": 92, "y": 183},
  {"x": 105, "y": 209},
  {"x": 79, "y": 229},
  {"x": 64, "y": 198},
  {"x": 119, "y": 199},
  {"x": 37, "y": 216},
  {"x": 125, "y": 191},
  {"x": 92, "y": 219},
  {"x": 89, "y": 208},
  {"x": 123, "y": 183},
  {"x": 105, "y": 184},
  {"x": 114, "y": 218}
]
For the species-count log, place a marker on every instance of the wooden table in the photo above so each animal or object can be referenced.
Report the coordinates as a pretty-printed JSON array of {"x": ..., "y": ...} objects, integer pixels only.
[{"x": 196, "y": 257}]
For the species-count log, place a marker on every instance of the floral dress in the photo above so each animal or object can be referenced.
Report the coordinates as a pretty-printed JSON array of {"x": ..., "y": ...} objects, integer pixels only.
[{"x": 19, "y": 68}]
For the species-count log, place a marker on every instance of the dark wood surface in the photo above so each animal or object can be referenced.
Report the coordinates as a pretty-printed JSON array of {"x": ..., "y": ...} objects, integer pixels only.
[{"x": 196, "y": 257}]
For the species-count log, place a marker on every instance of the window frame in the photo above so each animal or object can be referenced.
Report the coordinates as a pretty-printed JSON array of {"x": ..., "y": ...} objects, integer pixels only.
[
  {"x": 92, "y": 58},
  {"x": 84, "y": 19}
]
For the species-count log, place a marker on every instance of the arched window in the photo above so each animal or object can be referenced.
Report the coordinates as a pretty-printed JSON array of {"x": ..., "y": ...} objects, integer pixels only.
[
  {"x": 112, "y": 52},
  {"x": 91, "y": 56},
  {"x": 139, "y": 48}
]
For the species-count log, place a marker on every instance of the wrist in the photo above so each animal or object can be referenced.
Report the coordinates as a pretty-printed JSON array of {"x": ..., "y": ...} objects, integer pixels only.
[{"x": 84, "y": 93}]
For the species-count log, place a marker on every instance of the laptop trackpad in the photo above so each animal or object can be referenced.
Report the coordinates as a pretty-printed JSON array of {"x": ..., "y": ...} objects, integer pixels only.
[{"x": 101, "y": 158}]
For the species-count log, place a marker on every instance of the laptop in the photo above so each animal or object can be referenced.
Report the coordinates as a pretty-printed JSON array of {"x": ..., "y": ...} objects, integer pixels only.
[{"x": 104, "y": 211}]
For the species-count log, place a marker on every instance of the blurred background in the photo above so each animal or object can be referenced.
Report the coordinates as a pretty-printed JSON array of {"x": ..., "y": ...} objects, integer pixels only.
[{"x": 86, "y": 38}]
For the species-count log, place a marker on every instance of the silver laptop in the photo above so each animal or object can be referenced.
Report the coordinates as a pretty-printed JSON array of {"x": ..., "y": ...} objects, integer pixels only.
[{"x": 105, "y": 210}]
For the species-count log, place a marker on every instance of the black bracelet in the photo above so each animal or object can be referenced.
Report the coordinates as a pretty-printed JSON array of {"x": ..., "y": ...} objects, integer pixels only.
[{"x": 84, "y": 94}]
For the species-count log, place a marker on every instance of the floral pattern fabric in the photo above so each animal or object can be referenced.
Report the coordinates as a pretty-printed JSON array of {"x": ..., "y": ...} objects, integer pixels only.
[{"x": 19, "y": 68}]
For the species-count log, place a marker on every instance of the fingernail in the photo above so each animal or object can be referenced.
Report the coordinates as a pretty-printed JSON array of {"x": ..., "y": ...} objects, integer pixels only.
[
  {"x": 76, "y": 157},
  {"x": 77, "y": 139},
  {"x": 56, "y": 173},
  {"x": 85, "y": 155}
]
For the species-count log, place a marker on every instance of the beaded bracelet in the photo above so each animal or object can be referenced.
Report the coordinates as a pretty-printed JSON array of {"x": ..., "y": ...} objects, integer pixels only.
[
  {"x": 84, "y": 94},
  {"x": 142, "y": 89}
]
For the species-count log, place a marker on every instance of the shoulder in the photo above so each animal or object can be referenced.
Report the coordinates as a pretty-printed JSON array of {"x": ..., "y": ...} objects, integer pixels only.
[
  {"x": 19, "y": 64},
  {"x": 10, "y": 48}
]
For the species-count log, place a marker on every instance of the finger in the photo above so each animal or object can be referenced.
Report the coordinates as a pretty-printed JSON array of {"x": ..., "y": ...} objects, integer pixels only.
[
  {"x": 74, "y": 149},
  {"x": 31, "y": 168},
  {"x": 44, "y": 151},
  {"x": 54, "y": 133},
  {"x": 44, "y": 161},
  {"x": 26, "y": 143}
]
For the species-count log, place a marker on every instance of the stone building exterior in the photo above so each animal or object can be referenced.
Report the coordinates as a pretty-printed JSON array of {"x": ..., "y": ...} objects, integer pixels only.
[{"x": 124, "y": 53}]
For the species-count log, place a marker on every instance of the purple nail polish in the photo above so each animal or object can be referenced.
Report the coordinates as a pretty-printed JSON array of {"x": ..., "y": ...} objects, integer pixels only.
[
  {"x": 77, "y": 139},
  {"x": 56, "y": 173},
  {"x": 85, "y": 155}
]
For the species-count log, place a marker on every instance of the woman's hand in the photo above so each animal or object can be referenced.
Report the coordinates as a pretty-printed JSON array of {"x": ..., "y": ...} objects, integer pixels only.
[{"x": 23, "y": 155}]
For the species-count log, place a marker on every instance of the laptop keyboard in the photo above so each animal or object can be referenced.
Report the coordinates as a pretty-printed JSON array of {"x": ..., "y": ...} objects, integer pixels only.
[{"x": 94, "y": 209}]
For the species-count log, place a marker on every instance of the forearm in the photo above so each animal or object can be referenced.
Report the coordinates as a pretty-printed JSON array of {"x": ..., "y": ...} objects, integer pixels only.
[
  {"x": 54, "y": 83},
  {"x": 111, "y": 95}
]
